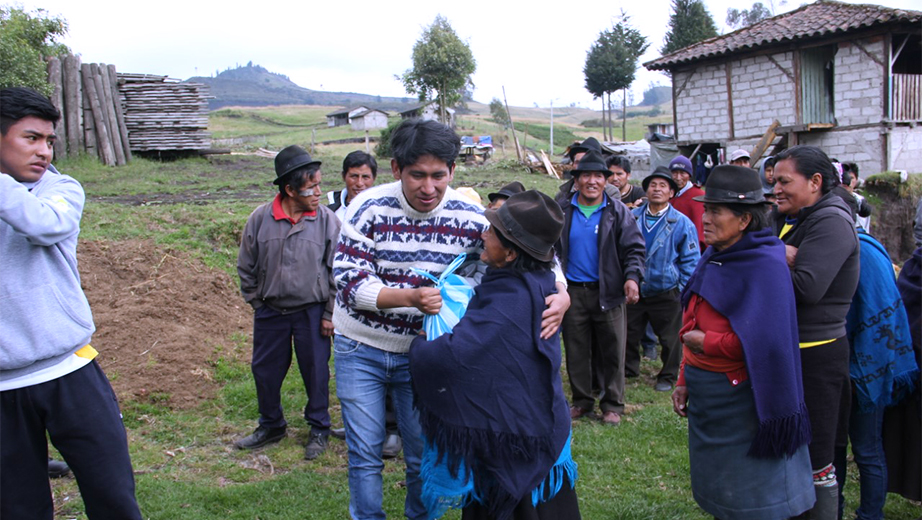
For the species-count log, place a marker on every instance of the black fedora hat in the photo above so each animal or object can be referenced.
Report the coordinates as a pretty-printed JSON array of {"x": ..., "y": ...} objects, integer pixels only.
[
  {"x": 590, "y": 143},
  {"x": 661, "y": 172},
  {"x": 530, "y": 220},
  {"x": 591, "y": 162},
  {"x": 290, "y": 159},
  {"x": 728, "y": 184},
  {"x": 507, "y": 191}
]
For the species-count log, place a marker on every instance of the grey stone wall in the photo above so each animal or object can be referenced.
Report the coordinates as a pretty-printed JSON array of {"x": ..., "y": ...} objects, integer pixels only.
[
  {"x": 761, "y": 93},
  {"x": 701, "y": 108},
  {"x": 861, "y": 146},
  {"x": 858, "y": 83},
  {"x": 905, "y": 149}
]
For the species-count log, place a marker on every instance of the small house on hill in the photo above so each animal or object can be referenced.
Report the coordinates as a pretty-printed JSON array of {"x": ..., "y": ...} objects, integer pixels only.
[
  {"x": 369, "y": 119},
  {"x": 344, "y": 116},
  {"x": 846, "y": 78},
  {"x": 428, "y": 111}
]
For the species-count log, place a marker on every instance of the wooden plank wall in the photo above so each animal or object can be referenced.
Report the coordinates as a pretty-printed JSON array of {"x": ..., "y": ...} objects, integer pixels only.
[{"x": 110, "y": 115}]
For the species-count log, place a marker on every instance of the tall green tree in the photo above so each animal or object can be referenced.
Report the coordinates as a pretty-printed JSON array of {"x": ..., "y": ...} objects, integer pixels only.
[
  {"x": 738, "y": 19},
  {"x": 611, "y": 62},
  {"x": 26, "y": 39},
  {"x": 690, "y": 22},
  {"x": 442, "y": 65}
]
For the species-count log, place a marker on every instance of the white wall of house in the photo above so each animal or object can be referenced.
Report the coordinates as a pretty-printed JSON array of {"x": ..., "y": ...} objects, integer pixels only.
[
  {"x": 370, "y": 121},
  {"x": 761, "y": 93},
  {"x": 905, "y": 149}
]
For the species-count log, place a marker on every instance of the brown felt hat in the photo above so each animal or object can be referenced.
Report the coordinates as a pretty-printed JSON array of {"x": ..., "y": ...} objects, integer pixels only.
[
  {"x": 507, "y": 191},
  {"x": 729, "y": 184},
  {"x": 290, "y": 159},
  {"x": 530, "y": 220},
  {"x": 591, "y": 162}
]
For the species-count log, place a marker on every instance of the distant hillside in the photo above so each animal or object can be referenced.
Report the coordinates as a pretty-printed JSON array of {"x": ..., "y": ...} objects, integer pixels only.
[{"x": 252, "y": 85}]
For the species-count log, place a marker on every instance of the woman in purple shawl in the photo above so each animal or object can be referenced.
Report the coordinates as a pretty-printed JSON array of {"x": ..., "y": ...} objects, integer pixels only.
[{"x": 740, "y": 381}]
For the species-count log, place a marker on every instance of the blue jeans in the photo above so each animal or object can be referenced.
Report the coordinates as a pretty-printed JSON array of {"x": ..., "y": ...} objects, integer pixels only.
[
  {"x": 364, "y": 375},
  {"x": 864, "y": 432}
]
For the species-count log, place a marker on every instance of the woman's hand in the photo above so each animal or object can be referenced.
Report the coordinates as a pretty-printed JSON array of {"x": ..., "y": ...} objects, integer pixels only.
[
  {"x": 427, "y": 299},
  {"x": 680, "y": 400},
  {"x": 790, "y": 254},
  {"x": 694, "y": 340}
]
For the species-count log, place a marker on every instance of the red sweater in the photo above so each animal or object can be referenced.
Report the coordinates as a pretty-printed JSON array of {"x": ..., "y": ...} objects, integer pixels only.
[
  {"x": 692, "y": 209},
  {"x": 723, "y": 351}
]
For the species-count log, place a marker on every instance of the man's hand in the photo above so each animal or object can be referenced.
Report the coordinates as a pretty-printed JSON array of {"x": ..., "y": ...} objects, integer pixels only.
[
  {"x": 326, "y": 328},
  {"x": 694, "y": 340},
  {"x": 631, "y": 292},
  {"x": 557, "y": 305},
  {"x": 790, "y": 254},
  {"x": 427, "y": 299},
  {"x": 680, "y": 400}
]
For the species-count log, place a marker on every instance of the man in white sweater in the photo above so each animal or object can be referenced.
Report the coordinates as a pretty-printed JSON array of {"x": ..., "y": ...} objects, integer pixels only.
[{"x": 418, "y": 221}]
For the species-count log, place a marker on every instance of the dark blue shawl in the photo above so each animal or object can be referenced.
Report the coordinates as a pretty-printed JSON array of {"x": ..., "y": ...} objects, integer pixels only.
[
  {"x": 750, "y": 284},
  {"x": 490, "y": 394}
]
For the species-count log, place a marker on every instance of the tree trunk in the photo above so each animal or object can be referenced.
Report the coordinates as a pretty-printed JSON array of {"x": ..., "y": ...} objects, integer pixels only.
[
  {"x": 604, "y": 124},
  {"x": 624, "y": 115}
]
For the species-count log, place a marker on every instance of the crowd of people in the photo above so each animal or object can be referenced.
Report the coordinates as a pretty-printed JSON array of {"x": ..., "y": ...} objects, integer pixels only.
[{"x": 782, "y": 329}]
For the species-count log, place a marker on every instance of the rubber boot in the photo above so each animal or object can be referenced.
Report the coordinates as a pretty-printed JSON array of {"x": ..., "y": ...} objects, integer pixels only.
[{"x": 827, "y": 503}]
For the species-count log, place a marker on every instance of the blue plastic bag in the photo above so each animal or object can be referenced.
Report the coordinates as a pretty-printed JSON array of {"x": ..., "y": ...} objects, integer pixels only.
[{"x": 456, "y": 294}]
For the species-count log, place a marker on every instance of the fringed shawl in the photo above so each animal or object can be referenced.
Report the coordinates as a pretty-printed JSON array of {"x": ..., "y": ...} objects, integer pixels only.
[
  {"x": 882, "y": 366},
  {"x": 490, "y": 395},
  {"x": 750, "y": 284}
]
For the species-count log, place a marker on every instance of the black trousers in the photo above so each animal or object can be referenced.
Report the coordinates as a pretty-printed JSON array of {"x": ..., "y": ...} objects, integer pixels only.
[
  {"x": 80, "y": 413},
  {"x": 664, "y": 313},
  {"x": 273, "y": 335},
  {"x": 584, "y": 321},
  {"x": 827, "y": 393}
]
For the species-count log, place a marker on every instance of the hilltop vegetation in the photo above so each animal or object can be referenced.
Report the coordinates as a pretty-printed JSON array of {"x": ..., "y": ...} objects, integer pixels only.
[{"x": 252, "y": 85}]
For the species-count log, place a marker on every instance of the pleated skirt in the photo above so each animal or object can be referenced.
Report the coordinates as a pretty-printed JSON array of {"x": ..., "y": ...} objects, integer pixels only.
[{"x": 726, "y": 482}]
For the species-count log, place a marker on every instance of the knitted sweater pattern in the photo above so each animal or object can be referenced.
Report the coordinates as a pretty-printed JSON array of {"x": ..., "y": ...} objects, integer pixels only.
[{"x": 382, "y": 238}]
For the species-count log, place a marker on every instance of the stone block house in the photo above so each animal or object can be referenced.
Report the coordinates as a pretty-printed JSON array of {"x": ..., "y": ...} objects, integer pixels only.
[
  {"x": 844, "y": 77},
  {"x": 344, "y": 116}
]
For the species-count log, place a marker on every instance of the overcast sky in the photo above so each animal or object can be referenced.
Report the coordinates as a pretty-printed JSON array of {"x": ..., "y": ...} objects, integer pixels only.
[{"x": 536, "y": 52}]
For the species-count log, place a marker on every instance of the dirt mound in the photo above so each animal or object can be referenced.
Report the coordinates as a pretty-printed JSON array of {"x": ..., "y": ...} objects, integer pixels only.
[{"x": 160, "y": 316}]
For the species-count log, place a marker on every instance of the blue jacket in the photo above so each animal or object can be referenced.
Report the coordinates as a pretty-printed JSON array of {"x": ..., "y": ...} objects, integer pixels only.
[{"x": 672, "y": 253}]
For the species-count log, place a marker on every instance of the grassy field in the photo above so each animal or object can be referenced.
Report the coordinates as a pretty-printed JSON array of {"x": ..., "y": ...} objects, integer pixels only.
[{"x": 185, "y": 465}]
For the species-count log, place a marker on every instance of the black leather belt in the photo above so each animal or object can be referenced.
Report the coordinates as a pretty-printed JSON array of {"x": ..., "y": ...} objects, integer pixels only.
[{"x": 587, "y": 285}]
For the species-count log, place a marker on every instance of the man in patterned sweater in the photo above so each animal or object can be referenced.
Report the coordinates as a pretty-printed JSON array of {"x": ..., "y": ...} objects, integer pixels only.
[{"x": 418, "y": 221}]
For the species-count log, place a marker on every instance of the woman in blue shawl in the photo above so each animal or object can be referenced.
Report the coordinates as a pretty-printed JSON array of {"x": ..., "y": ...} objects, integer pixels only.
[
  {"x": 740, "y": 381},
  {"x": 490, "y": 397}
]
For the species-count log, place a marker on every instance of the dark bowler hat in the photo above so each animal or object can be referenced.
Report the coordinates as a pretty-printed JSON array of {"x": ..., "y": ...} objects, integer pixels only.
[
  {"x": 507, "y": 191},
  {"x": 728, "y": 184},
  {"x": 591, "y": 162},
  {"x": 591, "y": 143},
  {"x": 661, "y": 172},
  {"x": 530, "y": 220},
  {"x": 290, "y": 159}
]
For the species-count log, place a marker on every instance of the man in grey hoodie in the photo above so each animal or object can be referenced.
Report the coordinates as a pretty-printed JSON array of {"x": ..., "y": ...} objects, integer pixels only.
[{"x": 49, "y": 381}]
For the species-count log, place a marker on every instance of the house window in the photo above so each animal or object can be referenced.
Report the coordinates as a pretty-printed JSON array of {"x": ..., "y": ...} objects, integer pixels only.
[
  {"x": 816, "y": 85},
  {"x": 906, "y": 77}
]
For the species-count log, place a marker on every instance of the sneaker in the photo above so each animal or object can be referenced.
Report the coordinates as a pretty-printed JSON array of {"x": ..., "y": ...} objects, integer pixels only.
[
  {"x": 57, "y": 468},
  {"x": 316, "y": 445},
  {"x": 339, "y": 433},
  {"x": 393, "y": 444},
  {"x": 260, "y": 437}
]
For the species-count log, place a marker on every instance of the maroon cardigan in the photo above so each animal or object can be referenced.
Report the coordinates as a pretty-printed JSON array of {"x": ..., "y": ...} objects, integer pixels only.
[{"x": 692, "y": 209}]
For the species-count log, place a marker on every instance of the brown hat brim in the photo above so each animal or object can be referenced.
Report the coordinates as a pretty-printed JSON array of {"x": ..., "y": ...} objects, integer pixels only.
[{"x": 494, "y": 219}]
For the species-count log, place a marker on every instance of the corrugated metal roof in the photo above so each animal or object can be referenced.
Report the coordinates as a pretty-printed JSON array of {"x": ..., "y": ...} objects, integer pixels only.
[{"x": 825, "y": 17}]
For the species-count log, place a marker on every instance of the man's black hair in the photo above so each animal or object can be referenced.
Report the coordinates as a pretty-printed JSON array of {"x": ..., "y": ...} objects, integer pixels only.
[
  {"x": 523, "y": 262},
  {"x": 298, "y": 178},
  {"x": 769, "y": 163},
  {"x": 619, "y": 160},
  {"x": 357, "y": 159},
  {"x": 809, "y": 160},
  {"x": 415, "y": 138},
  {"x": 19, "y": 102}
]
